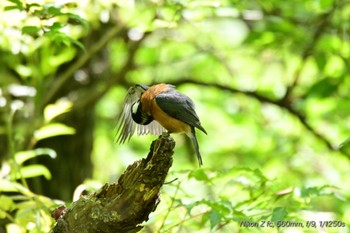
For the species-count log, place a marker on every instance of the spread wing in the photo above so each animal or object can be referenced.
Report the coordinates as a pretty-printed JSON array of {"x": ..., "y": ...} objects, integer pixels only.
[
  {"x": 126, "y": 126},
  {"x": 179, "y": 106}
]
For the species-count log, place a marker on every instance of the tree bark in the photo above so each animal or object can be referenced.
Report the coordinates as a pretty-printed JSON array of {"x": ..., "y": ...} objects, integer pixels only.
[{"x": 121, "y": 206}]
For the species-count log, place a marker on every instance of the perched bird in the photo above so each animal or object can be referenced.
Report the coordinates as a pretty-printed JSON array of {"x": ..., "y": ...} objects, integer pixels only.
[{"x": 156, "y": 109}]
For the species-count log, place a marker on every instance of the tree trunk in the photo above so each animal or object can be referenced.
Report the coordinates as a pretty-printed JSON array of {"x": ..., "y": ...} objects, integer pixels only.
[
  {"x": 73, "y": 163},
  {"x": 121, "y": 206}
]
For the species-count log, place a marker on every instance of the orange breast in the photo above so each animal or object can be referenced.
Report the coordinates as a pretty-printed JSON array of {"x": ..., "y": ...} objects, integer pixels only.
[
  {"x": 149, "y": 95},
  {"x": 150, "y": 106},
  {"x": 171, "y": 124}
]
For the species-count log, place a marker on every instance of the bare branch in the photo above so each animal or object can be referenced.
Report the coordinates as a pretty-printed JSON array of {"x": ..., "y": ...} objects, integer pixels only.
[{"x": 282, "y": 103}]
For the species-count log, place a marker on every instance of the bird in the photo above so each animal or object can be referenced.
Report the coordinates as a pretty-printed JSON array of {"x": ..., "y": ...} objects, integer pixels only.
[{"x": 157, "y": 109}]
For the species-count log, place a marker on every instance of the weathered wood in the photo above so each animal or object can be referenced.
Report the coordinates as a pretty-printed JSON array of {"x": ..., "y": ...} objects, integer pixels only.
[{"x": 122, "y": 206}]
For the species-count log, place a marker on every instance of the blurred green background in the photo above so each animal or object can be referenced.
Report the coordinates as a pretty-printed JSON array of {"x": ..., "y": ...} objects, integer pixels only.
[{"x": 271, "y": 84}]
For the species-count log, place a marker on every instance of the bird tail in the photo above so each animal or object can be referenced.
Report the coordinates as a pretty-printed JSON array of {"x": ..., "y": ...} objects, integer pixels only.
[{"x": 196, "y": 146}]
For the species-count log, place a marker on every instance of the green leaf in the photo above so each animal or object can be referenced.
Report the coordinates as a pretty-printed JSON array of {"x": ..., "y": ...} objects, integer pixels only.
[
  {"x": 326, "y": 4},
  {"x": 11, "y": 186},
  {"x": 23, "y": 156},
  {"x": 259, "y": 174},
  {"x": 10, "y": 8},
  {"x": 33, "y": 5},
  {"x": 61, "y": 38},
  {"x": 315, "y": 191},
  {"x": 214, "y": 218},
  {"x": 76, "y": 20},
  {"x": 3, "y": 214},
  {"x": 55, "y": 26},
  {"x": 6, "y": 203},
  {"x": 18, "y": 2},
  {"x": 198, "y": 174},
  {"x": 345, "y": 146},
  {"x": 52, "y": 130},
  {"x": 321, "y": 60},
  {"x": 34, "y": 170},
  {"x": 54, "y": 10},
  {"x": 53, "y": 110},
  {"x": 79, "y": 44},
  {"x": 18, "y": 5},
  {"x": 324, "y": 88},
  {"x": 30, "y": 30},
  {"x": 279, "y": 214}
]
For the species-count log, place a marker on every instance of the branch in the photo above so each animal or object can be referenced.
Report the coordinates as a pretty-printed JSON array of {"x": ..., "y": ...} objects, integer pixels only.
[
  {"x": 282, "y": 103},
  {"x": 68, "y": 74},
  {"x": 122, "y": 206},
  {"x": 324, "y": 21},
  {"x": 114, "y": 78}
]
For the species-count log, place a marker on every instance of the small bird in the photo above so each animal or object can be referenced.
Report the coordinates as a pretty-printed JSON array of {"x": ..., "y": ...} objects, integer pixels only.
[{"x": 157, "y": 109}]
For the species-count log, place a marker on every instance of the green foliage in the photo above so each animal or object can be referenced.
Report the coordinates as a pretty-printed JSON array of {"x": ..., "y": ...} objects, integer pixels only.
[
  {"x": 47, "y": 13},
  {"x": 270, "y": 80},
  {"x": 25, "y": 210},
  {"x": 22, "y": 210},
  {"x": 234, "y": 198}
]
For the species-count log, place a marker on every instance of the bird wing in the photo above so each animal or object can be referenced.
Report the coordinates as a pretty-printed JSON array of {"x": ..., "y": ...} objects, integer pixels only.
[
  {"x": 126, "y": 126},
  {"x": 179, "y": 106}
]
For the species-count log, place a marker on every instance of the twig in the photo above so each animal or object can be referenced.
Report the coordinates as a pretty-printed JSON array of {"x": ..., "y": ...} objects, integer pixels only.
[{"x": 170, "y": 208}]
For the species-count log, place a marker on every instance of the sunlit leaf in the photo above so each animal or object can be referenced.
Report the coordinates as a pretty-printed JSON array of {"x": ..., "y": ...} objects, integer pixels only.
[
  {"x": 324, "y": 88},
  {"x": 316, "y": 191},
  {"x": 18, "y": 5},
  {"x": 54, "y": 10},
  {"x": 6, "y": 203},
  {"x": 214, "y": 218},
  {"x": 3, "y": 214},
  {"x": 34, "y": 170},
  {"x": 52, "y": 130},
  {"x": 345, "y": 146},
  {"x": 15, "y": 1},
  {"x": 198, "y": 174},
  {"x": 31, "y": 30},
  {"x": 55, "y": 26},
  {"x": 222, "y": 206},
  {"x": 9, "y": 8},
  {"x": 325, "y": 4},
  {"x": 79, "y": 44},
  {"x": 61, "y": 38},
  {"x": 321, "y": 61},
  {"x": 76, "y": 19},
  {"x": 29, "y": 6},
  {"x": 13, "y": 227},
  {"x": 23, "y": 156},
  {"x": 259, "y": 174},
  {"x": 53, "y": 110},
  {"x": 279, "y": 214},
  {"x": 12, "y": 186}
]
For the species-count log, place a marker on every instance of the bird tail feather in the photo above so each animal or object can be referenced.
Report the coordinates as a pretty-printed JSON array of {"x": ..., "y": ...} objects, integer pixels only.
[{"x": 196, "y": 146}]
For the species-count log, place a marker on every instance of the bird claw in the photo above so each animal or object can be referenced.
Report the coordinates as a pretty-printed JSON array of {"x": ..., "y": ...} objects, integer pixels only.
[{"x": 165, "y": 134}]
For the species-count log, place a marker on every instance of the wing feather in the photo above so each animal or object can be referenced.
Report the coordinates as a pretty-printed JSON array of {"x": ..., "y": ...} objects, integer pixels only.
[
  {"x": 126, "y": 126},
  {"x": 179, "y": 106}
]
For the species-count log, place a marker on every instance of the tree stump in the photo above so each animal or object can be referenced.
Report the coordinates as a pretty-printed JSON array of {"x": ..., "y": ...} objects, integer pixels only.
[{"x": 121, "y": 206}]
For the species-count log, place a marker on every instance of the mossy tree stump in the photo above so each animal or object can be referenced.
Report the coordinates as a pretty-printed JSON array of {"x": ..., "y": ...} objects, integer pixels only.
[{"x": 122, "y": 206}]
